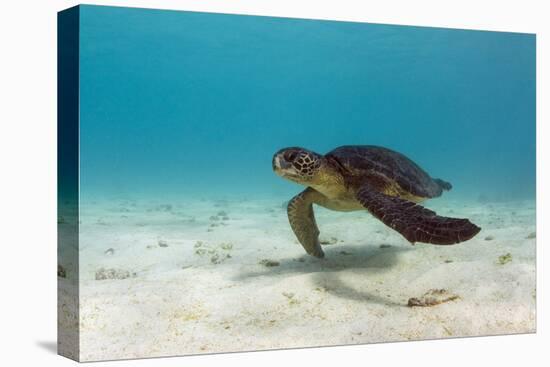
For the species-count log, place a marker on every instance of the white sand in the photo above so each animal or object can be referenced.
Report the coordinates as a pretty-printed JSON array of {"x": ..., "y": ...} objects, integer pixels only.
[{"x": 189, "y": 298}]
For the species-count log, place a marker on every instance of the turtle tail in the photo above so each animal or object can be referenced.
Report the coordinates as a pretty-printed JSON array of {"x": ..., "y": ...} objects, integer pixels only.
[{"x": 443, "y": 184}]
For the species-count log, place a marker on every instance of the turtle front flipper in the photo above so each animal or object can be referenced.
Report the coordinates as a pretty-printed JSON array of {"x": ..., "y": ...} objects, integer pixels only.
[
  {"x": 414, "y": 222},
  {"x": 302, "y": 221}
]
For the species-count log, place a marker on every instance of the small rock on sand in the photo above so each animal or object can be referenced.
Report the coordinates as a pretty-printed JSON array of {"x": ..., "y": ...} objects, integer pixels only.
[
  {"x": 291, "y": 300},
  {"x": 432, "y": 297},
  {"x": 109, "y": 251},
  {"x": 385, "y": 245},
  {"x": 531, "y": 235},
  {"x": 162, "y": 243},
  {"x": 218, "y": 259},
  {"x": 269, "y": 263},
  {"x": 226, "y": 246},
  {"x": 200, "y": 251},
  {"x": 103, "y": 274},
  {"x": 331, "y": 241},
  {"x": 489, "y": 238}
]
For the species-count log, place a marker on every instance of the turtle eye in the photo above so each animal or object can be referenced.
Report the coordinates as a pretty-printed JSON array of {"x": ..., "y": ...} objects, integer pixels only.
[{"x": 290, "y": 156}]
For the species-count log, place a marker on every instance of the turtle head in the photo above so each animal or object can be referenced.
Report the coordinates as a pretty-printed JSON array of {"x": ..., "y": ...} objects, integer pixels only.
[{"x": 297, "y": 164}]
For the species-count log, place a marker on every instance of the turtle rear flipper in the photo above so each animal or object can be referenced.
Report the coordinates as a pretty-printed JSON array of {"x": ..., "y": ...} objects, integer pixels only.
[
  {"x": 302, "y": 221},
  {"x": 414, "y": 222}
]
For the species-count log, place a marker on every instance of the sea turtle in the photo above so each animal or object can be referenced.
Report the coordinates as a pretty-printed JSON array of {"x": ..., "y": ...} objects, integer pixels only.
[{"x": 382, "y": 181}]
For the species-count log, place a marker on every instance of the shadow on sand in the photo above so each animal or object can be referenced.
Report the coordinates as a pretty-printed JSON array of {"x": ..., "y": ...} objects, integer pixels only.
[{"x": 362, "y": 260}]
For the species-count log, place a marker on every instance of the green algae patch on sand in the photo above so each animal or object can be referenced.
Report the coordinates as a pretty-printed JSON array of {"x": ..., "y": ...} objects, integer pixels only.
[{"x": 504, "y": 259}]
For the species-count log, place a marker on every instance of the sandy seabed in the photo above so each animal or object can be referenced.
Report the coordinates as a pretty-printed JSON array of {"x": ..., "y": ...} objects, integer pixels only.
[{"x": 206, "y": 276}]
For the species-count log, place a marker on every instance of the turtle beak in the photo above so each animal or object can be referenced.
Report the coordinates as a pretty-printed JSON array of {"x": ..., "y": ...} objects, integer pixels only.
[{"x": 279, "y": 164}]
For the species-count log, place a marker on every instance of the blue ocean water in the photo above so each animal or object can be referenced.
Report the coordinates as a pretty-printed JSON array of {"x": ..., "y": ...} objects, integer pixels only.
[{"x": 182, "y": 103}]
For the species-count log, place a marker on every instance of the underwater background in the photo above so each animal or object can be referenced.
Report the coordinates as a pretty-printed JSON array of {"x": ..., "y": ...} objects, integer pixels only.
[{"x": 177, "y": 104}]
